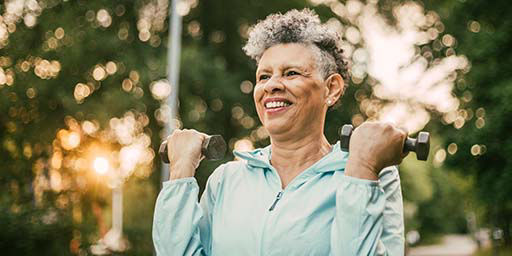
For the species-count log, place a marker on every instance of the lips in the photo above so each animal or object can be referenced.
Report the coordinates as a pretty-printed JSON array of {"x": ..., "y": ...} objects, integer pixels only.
[{"x": 275, "y": 103}]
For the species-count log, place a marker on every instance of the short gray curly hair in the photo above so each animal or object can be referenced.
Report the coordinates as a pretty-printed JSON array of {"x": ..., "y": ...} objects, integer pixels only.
[{"x": 302, "y": 27}]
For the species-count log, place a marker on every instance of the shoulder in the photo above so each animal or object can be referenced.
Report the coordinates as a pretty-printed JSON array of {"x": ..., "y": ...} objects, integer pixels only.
[
  {"x": 227, "y": 170},
  {"x": 233, "y": 170}
]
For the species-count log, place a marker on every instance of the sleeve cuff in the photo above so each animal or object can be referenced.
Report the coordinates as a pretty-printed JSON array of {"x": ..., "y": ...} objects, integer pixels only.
[
  {"x": 358, "y": 181},
  {"x": 186, "y": 181}
]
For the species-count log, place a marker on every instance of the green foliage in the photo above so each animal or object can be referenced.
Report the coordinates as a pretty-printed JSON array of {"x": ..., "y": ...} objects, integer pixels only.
[
  {"x": 212, "y": 68},
  {"x": 47, "y": 232},
  {"x": 484, "y": 34},
  {"x": 437, "y": 200},
  {"x": 138, "y": 215},
  {"x": 446, "y": 211},
  {"x": 35, "y": 108}
]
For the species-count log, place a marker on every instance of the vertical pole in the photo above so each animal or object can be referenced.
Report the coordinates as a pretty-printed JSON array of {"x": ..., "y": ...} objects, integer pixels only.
[
  {"x": 117, "y": 208},
  {"x": 173, "y": 69}
]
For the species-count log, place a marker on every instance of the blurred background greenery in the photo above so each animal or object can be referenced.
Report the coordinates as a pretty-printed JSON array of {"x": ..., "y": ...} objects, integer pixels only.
[{"x": 82, "y": 99}]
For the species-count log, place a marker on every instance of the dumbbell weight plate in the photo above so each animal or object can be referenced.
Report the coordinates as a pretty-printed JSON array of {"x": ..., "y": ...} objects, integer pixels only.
[
  {"x": 162, "y": 151},
  {"x": 422, "y": 146},
  {"x": 214, "y": 147},
  {"x": 345, "y": 132}
]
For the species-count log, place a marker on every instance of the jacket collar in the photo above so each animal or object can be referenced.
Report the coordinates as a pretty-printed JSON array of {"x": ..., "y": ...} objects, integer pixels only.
[{"x": 333, "y": 161}]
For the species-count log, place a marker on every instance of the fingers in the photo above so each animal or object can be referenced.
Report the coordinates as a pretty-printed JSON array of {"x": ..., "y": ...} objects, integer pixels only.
[
  {"x": 403, "y": 129},
  {"x": 177, "y": 131},
  {"x": 184, "y": 152},
  {"x": 185, "y": 138},
  {"x": 404, "y": 133},
  {"x": 400, "y": 135},
  {"x": 404, "y": 154},
  {"x": 204, "y": 135}
]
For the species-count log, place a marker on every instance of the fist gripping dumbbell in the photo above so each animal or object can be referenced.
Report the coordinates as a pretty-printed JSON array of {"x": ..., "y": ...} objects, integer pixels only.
[
  {"x": 213, "y": 148},
  {"x": 420, "y": 145}
]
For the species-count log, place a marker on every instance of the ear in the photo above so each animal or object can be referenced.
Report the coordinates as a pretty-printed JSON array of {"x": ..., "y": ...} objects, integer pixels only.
[{"x": 335, "y": 88}]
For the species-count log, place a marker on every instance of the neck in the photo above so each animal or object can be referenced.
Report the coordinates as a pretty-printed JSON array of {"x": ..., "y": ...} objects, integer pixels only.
[{"x": 290, "y": 156}]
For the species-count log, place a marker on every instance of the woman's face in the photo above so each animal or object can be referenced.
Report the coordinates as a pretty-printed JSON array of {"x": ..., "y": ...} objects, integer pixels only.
[{"x": 290, "y": 94}]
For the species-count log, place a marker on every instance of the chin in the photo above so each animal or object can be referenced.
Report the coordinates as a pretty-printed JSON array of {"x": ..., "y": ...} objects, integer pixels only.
[{"x": 274, "y": 127}]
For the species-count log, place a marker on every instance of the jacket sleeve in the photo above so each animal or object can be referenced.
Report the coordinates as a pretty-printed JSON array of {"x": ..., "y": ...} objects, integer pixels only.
[
  {"x": 181, "y": 225},
  {"x": 369, "y": 216}
]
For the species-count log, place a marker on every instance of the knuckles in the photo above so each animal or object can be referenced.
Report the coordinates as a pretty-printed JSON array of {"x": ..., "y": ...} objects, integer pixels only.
[
  {"x": 387, "y": 126},
  {"x": 184, "y": 134},
  {"x": 382, "y": 129},
  {"x": 381, "y": 141}
]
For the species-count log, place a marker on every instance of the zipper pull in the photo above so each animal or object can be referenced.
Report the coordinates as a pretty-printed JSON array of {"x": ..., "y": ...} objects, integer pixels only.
[{"x": 278, "y": 197}]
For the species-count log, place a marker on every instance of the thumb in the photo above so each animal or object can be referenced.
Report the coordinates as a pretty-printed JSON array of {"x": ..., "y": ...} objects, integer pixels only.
[{"x": 405, "y": 134}]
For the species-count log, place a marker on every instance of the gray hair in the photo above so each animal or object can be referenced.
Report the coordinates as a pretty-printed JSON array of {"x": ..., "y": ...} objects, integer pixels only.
[{"x": 303, "y": 27}]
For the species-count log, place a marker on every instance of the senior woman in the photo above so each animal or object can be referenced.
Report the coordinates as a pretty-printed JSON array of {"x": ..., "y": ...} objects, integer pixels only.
[{"x": 300, "y": 195}]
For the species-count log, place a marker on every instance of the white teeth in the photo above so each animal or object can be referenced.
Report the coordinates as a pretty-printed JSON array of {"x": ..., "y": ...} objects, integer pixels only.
[{"x": 276, "y": 104}]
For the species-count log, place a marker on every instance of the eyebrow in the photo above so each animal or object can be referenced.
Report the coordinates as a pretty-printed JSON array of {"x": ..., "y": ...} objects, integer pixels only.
[{"x": 284, "y": 67}]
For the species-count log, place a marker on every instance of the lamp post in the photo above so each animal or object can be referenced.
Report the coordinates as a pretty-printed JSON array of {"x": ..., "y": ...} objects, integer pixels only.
[
  {"x": 173, "y": 72},
  {"x": 113, "y": 241}
]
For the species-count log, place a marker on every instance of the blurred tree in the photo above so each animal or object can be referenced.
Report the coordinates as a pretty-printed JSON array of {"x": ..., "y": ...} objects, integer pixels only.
[
  {"x": 482, "y": 146},
  {"x": 67, "y": 68},
  {"x": 446, "y": 212},
  {"x": 81, "y": 68},
  {"x": 70, "y": 72}
]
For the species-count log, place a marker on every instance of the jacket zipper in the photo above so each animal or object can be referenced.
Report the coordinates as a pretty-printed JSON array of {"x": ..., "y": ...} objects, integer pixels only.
[{"x": 278, "y": 197}]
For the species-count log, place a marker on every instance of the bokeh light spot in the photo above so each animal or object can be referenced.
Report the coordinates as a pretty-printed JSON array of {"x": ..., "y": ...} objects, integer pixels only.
[
  {"x": 480, "y": 123},
  {"x": 111, "y": 67},
  {"x": 101, "y": 165},
  {"x": 246, "y": 86},
  {"x": 98, "y": 73},
  {"x": 59, "y": 33},
  {"x": 69, "y": 139},
  {"x": 474, "y": 26},
  {"x": 160, "y": 89},
  {"x": 475, "y": 150},
  {"x": 439, "y": 157},
  {"x": 104, "y": 18},
  {"x": 452, "y": 148},
  {"x": 244, "y": 145}
]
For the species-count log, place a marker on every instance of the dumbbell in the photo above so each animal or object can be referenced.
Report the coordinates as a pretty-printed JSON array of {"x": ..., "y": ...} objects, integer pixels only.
[
  {"x": 213, "y": 148},
  {"x": 420, "y": 145}
]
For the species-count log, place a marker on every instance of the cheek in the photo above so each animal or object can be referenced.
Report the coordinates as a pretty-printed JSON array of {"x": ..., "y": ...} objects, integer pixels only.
[
  {"x": 257, "y": 92},
  {"x": 311, "y": 96},
  {"x": 307, "y": 92},
  {"x": 256, "y": 96}
]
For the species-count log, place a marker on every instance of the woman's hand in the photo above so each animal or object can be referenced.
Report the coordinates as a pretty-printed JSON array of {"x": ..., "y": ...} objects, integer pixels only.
[
  {"x": 184, "y": 152},
  {"x": 374, "y": 146}
]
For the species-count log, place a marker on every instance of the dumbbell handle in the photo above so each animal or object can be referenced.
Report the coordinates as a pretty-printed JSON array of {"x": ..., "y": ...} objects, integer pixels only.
[
  {"x": 213, "y": 148},
  {"x": 421, "y": 148},
  {"x": 410, "y": 145}
]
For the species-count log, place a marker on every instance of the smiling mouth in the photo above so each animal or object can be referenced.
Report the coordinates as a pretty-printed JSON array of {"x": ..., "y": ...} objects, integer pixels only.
[{"x": 276, "y": 104}]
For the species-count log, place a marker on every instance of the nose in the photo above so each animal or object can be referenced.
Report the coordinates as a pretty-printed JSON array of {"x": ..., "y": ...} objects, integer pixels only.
[{"x": 273, "y": 85}]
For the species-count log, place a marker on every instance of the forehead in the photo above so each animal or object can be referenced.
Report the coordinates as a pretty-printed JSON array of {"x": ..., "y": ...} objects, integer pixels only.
[{"x": 284, "y": 55}]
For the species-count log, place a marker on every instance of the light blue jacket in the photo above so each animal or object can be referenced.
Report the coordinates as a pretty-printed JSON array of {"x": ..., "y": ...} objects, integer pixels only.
[{"x": 243, "y": 211}]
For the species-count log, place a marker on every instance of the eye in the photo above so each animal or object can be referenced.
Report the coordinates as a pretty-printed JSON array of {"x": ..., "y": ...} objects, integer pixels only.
[
  {"x": 263, "y": 77},
  {"x": 292, "y": 73}
]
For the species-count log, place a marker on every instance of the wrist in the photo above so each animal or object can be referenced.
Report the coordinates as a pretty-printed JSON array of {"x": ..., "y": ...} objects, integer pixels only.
[
  {"x": 179, "y": 171},
  {"x": 361, "y": 169}
]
